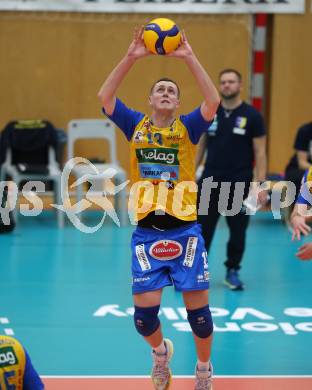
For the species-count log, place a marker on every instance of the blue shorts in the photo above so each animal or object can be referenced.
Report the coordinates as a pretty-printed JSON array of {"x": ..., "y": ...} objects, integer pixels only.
[{"x": 173, "y": 257}]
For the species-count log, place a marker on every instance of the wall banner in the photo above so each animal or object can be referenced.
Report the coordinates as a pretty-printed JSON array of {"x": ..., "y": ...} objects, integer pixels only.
[{"x": 158, "y": 6}]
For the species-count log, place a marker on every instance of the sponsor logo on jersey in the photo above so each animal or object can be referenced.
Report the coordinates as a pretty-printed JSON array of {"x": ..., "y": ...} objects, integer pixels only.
[
  {"x": 159, "y": 172},
  {"x": 190, "y": 252},
  {"x": 140, "y": 280},
  {"x": 142, "y": 257},
  {"x": 165, "y": 250},
  {"x": 170, "y": 185},
  {"x": 174, "y": 137},
  {"x": 239, "y": 131},
  {"x": 168, "y": 156},
  {"x": 241, "y": 122},
  {"x": 138, "y": 137},
  {"x": 7, "y": 357}
]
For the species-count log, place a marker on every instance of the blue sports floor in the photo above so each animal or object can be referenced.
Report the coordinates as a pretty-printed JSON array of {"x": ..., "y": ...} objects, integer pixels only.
[{"x": 67, "y": 296}]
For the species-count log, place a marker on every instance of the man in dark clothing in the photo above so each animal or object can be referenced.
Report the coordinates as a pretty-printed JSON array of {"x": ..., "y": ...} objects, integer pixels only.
[
  {"x": 302, "y": 159},
  {"x": 236, "y": 152}
]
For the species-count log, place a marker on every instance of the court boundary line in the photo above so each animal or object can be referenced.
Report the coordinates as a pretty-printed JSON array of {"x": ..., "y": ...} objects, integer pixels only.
[{"x": 174, "y": 376}]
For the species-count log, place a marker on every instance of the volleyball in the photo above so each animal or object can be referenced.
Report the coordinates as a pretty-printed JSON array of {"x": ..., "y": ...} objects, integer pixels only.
[{"x": 161, "y": 36}]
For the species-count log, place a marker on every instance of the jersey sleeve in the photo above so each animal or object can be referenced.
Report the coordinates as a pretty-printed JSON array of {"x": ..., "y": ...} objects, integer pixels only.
[
  {"x": 125, "y": 118},
  {"x": 303, "y": 139},
  {"x": 32, "y": 380},
  {"x": 196, "y": 124},
  {"x": 305, "y": 196},
  {"x": 258, "y": 126}
]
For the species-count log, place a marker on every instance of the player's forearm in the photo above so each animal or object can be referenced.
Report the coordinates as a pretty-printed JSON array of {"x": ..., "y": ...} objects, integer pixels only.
[
  {"x": 304, "y": 165},
  {"x": 260, "y": 167},
  {"x": 107, "y": 92},
  {"x": 206, "y": 86}
]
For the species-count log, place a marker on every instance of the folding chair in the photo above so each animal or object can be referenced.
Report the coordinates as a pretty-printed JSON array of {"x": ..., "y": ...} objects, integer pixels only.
[
  {"x": 28, "y": 150},
  {"x": 98, "y": 129}
]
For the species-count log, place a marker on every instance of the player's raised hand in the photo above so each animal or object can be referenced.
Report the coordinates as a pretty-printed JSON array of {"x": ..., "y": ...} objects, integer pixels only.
[
  {"x": 184, "y": 50},
  {"x": 137, "y": 48},
  {"x": 299, "y": 227},
  {"x": 305, "y": 252}
]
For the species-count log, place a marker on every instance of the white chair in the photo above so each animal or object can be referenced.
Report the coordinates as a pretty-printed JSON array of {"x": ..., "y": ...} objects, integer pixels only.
[
  {"x": 53, "y": 173},
  {"x": 102, "y": 129}
]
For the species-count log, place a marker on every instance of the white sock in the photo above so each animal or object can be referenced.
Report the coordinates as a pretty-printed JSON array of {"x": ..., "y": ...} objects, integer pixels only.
[
  {"x": 161, "y": 349},
  {"x": 202, "y": 366}
]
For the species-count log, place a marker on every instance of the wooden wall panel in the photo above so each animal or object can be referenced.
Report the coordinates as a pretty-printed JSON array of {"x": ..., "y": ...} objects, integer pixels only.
[{"x": 52, "y": 64}]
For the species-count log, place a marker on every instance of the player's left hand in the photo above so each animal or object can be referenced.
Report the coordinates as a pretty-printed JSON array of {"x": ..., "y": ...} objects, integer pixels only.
[
  {"x": 305, "y": 252},
  {"x": 184, "y": 50}
]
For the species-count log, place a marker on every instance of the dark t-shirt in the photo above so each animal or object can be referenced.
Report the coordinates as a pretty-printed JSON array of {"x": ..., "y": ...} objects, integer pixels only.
[
  {"x": 303, "y": 143},
  {"x": 229, "y": 145}
]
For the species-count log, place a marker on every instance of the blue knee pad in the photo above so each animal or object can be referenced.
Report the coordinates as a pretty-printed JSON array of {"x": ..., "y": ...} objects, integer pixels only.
[
  {"x": 146, "y": 320},
  {"x": 201, "y": 321}
]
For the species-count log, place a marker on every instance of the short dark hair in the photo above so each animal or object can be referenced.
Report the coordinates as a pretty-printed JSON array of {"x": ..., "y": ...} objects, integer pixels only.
[
  {"x": 231, "y": 70},
  {"x": 165, "y": 79}
]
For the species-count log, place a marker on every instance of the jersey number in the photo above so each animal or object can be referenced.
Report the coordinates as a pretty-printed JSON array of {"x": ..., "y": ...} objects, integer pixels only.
[{"x": 4, "y": 383}]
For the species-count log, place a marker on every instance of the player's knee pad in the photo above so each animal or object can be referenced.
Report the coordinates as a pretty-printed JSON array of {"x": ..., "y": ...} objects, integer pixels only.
[
  {"x": 201, "y": 321},
  {"x": 146, "y": 319}
]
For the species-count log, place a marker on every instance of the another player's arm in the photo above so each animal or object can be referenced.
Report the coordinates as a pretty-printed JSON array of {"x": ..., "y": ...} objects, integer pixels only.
[
  {"x": 205, "y": 84},
  {"x": 303, "y": 162},
  {"x": 305, "y": 252},
  {"x": 259, "y": 145},
  {"x": 107, "y": 92},
  {"x": 298, "y": 221}
]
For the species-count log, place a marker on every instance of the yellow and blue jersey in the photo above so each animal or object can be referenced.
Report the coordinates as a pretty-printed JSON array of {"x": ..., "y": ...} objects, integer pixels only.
[
  {"x": 305, "y": 195},
  {"x": 16, "y": 369},
  {"x": 164, "y": 159}
]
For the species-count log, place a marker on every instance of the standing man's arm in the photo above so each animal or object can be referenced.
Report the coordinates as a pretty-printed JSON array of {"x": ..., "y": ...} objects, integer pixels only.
[
  {"x": 259, "y": 144},
  {"x": 211, "y": 96},
  {"x": 107, "y": 92}
]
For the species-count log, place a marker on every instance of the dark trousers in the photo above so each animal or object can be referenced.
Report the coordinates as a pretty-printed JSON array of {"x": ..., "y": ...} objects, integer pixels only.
[{"x": 237, "y": 224}]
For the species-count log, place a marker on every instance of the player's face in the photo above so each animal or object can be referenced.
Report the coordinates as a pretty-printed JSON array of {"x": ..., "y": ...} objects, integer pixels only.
[
  {"x": 230, "y": 85},
  {"x": 164, "y": 96}
]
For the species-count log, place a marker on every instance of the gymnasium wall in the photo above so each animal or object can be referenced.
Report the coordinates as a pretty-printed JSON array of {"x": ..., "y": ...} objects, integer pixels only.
[
  {"x": 291, "y": 84},
  {"x": 53, "y": 64}
]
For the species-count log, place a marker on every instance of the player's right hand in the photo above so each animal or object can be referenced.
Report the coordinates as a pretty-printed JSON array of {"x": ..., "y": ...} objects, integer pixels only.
[
  {"x": 299, "y": 227},
  {"x": 137, "y": 48}
]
